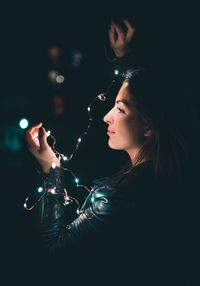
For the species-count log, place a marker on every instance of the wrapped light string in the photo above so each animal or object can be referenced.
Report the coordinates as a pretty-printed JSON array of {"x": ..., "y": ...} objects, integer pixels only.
[
  {"x": 30, "y": 208},
  {"x": 68, "y": 199}
]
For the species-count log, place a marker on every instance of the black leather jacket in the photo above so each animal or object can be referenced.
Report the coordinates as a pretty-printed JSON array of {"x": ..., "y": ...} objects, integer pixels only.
[{"x": 119, "y": 218}]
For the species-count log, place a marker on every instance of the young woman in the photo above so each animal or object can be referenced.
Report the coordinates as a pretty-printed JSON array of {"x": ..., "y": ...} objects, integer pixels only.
[
  {"x": 119, "y": 221},
  {"x": 118, "y": 227}
]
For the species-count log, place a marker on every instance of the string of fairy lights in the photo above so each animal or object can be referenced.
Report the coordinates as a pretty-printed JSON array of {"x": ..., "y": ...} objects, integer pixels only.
[{"x": 63, "y": 159}]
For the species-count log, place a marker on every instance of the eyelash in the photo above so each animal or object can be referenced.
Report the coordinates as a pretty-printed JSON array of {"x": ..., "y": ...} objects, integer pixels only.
[{"x": 120, "y": 110}]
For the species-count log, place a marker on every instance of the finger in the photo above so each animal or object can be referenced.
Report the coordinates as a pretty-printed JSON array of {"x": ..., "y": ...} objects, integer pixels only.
[
  {"x": 112, "y": 28},
  {"x": 111, "y": 34},
  {"x": 115, "y": 34},
  {"x": 130, "y": 35},
  {"x": 32, "y": 142},
  {"x": 43, "y": 138},
  {"x": 130, "y": 31},
  {"x": 37, "y": 125},
  {"x": 32, "y": 128},
  {"x": 32, "y": 137},
  {"x": 128, "y": 24},
  {"x": 34, "y": 132},
  {"x": 119, "y": 31},
  {"x": 120, "y": 27}
]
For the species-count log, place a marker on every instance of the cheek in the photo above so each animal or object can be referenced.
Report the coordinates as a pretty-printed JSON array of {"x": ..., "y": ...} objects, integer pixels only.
[
  {"x": 128, "y": 133},
  {"x": 132, "y": 132}
]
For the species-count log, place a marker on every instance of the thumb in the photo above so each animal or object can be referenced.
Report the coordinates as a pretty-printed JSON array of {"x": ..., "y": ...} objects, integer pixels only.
[{"x": 42, "y": 138}]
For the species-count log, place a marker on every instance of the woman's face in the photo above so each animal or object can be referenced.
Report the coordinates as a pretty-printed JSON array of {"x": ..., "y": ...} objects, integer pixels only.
[{"x": 125, "y": 127}]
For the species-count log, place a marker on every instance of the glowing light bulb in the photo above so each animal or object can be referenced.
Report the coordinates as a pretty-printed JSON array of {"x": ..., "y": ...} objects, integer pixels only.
[
  {"x": 116, "y": 72},
  {"x": 53, "y": 75},
  {"x": 53, "y": 191},
  {"x": 102, "y": 97},
  {"x": 25, "y": 205},
  {"x": 60, "y": 78},
  {"x": 23, "y": 123},
  {"x": 48, "y": 133},
  {"x": 88, "y": 109},
  {"x": 65, "y": 158},
  {"x": 76, "y": 180},
  {"x": 53, "y": 165},
  {"x": 79, "y": 139},
  {"x": 40, "y": 189}
]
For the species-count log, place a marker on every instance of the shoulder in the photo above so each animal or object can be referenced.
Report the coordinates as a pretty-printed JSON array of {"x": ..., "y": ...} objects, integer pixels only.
[
  {"x": 108, "y": 200},
  {"x": 126, "y": 180},
  {"x": 139, "y": 185},
  {"x": 143, "y": 174}
]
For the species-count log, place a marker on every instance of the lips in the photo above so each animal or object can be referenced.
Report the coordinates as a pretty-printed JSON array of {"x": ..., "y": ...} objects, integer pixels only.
[{"x": 110, "y": 131}]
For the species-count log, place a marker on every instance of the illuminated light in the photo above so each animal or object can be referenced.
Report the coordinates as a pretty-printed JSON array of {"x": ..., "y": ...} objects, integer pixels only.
[
  {"x": 102, "y": 97},
  {"x": 65, "y": 158},
  {"x": 53, "y": 75},
  {"x": 40, "y": 189},
  {"x": 53, "y": 191},
  {"x": 53, "y": 165},
  {"x": 76, "y": 180},
  {"x": 77, "y": 211},
  {"x": 54, "y": 53},
  {"x": 88, "y": 109},
  {"x": 48, "y": 133},
  {"x": 79, "y": 139},
  {"x": 116, "y": 72},
  {"x": 76, "y": 58},
  {"x": 23, "y": 123},
  {"x": 25, "y": 205},
  {"x": 60, "y": 78}
]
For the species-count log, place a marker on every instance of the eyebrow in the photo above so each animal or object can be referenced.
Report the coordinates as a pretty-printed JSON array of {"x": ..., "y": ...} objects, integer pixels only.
[{"x": 123, "y": 101}]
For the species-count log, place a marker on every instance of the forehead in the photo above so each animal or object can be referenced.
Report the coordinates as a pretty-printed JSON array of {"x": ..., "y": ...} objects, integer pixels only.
[{"x": 124, "y": 93}]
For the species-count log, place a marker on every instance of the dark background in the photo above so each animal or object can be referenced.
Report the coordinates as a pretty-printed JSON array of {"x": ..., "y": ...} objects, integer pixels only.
[{"x": 170, "y": 36}]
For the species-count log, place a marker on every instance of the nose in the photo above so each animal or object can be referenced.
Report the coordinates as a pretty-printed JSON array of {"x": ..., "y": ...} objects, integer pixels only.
[{"x": 108, "y": 117}]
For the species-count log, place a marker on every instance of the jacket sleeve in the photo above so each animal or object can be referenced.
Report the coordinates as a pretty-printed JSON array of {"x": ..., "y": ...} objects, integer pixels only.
[{"x": 96, "y": 218}]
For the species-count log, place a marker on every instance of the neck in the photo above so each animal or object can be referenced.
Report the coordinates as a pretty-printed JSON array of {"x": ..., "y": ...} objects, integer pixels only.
[{"x": 133, "y": 153}]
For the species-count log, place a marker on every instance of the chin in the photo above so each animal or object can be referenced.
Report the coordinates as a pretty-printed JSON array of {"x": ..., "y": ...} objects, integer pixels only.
[{"x": 113, "y": 146}]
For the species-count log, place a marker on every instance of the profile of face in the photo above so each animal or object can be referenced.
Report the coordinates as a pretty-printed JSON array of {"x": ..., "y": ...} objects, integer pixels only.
[{"x": 126, "y": 129}]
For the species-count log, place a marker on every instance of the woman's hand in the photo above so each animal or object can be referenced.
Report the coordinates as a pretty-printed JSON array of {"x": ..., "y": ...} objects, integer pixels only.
[
  {"x": 36, "y": 138},
  {"x": 119, "y": 38}
]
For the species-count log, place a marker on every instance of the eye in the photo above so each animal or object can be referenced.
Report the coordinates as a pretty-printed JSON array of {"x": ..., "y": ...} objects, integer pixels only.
[{"x": 120, "y": 110}]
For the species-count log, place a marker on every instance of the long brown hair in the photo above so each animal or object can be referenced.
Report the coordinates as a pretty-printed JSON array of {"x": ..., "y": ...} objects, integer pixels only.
[{"x": 166, "y": 146}]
